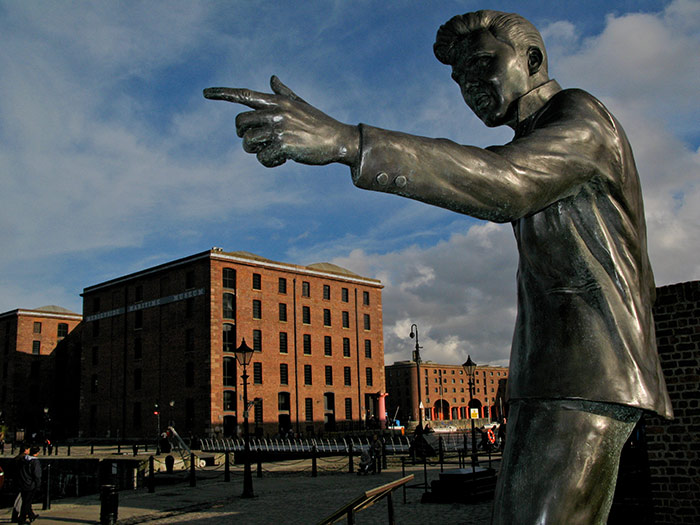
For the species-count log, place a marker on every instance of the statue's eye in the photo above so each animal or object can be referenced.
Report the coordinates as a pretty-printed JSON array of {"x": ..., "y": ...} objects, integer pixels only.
[{"x": 482, "y": 62}]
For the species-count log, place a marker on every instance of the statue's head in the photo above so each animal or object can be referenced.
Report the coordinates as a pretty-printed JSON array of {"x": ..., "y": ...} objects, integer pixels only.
[{"x": 496, "y": 58}]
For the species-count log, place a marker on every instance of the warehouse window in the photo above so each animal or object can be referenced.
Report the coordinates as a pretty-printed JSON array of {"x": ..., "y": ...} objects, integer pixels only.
[
  {"x": 257, "y": 309},
  {"x": 283, "y": 343},
  {"x": 229, "y": 371},
  {"x": 229, "y": 278},
  {"x": 229, "y": 305}
]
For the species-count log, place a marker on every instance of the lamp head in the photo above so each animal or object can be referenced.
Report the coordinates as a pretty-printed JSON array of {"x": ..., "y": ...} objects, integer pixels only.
[
  {"x": 469, "y": 366},
  {"x": 244, "y": 353}
]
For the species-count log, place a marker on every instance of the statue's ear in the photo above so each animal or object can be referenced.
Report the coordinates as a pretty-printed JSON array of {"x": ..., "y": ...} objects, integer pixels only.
[{"x": 534, "y": 59}]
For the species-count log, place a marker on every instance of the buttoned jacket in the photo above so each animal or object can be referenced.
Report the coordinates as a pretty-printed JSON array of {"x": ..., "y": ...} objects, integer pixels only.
[{"x": 569, "y": 185}]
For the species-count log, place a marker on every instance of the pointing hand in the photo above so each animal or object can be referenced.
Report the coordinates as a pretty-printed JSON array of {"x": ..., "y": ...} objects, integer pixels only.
[{"x": 283, "y": 126}]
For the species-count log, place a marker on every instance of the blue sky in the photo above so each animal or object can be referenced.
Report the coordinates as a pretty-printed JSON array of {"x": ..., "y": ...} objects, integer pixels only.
[{"x": 111, "y": 160}]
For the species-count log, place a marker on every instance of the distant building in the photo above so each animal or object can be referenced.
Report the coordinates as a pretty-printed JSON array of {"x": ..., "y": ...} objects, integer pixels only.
[
  {"x": 165, "y": 336},
  {"x": 445, "y": 391},
  {"x": 38, "y": 367}
]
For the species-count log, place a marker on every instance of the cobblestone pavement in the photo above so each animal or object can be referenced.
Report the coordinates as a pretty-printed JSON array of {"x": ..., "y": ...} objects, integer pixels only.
[
  {"x": 286, "y": 494},
  {"x": 305, "y": 500}
]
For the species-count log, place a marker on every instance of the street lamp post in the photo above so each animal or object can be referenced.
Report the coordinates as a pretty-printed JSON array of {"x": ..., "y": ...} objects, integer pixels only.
[
  {"x": 244, "y": 354},
  {"x": 171, "y": 421},
  {"x": 416, "y": 358},
  {"x": 470, "y": 368},
  {"x": 156, "y": 412},
  {"x": 47, "y": 423}
]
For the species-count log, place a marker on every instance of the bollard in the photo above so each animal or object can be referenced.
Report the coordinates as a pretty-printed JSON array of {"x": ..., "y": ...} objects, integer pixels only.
[
  {"x": 425, "y": 474},
  {"x": 92, "y": 449},
  {"x": 135, "y": 449},
  {"x": 193, "y": 476},
  {"x": 441, "y": 453},
  {"x": 169, "y": 463},
  {"x": 47, "y": 494},
  {"x": 227, "y": 467},
  {"x": 68, "y": 451},
  {"x": 351, "y": 467},
  {"x": 259, "y": 472},
  {"x": 151, "y": 475},
  {"x": 119, "y": 448},
  {"x": 403, "y": 475},
  {"x": 109, "y": 505},
  {"x": 314, "y": 470},
  {"x": 384, "y": 453}
]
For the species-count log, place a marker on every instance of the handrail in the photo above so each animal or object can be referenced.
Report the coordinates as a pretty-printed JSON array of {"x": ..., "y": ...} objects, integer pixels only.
[{"x": 365, "y": 500}]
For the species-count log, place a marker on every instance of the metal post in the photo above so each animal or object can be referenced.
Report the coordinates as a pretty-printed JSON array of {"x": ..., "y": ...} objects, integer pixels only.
[
  {"x": 425, "y": 474},
  {"x": 193, "y": 473},
  {"x": 351, "y": 466},
  {"x": 390, "y": 505},
  {"x": 47, "y": 494},
  {"x": 109, "y": 505},
  {"x": 403, "y": 475},
  {"x": 383, "y": 453},
  {"x": 259, "y": 472},
  {"x": 475, "y": 458},
  {"x": 441, "y": 453},
  {"x": 314, "y": 470},
  {"x": 417, "y": 359},
  {"x": 247, "y": 474},
  {"x": 151, "y": 475},
  {"x": 68, "y": 450},
  {"x": 227, "y": 466}
]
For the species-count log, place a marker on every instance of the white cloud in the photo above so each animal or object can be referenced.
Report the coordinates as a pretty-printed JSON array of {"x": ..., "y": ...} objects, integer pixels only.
[
  {"x": 106, "y": 145},
  {"x": 460, "y": 293}
]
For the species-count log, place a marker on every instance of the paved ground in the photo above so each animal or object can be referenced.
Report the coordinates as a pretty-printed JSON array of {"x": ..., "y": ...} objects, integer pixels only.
[{"x": 286, "y": 494}]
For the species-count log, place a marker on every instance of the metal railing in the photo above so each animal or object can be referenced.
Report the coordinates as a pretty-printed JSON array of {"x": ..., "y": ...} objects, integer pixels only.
[{"x": 451, "y": 442}]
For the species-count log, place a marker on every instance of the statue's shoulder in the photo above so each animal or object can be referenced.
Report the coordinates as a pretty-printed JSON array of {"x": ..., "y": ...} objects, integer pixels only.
[{"x": 579, "y": 105}]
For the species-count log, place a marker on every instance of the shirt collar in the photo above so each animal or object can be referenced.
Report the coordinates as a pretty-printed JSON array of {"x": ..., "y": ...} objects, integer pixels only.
[{"x": 533, "y": 100}]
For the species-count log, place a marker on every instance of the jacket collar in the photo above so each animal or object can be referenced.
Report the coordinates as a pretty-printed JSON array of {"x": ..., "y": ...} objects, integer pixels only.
[{"x": 532, "y": 101}]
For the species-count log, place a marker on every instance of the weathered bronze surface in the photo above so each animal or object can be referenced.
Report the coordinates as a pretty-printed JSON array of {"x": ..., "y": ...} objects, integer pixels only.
[{"x": 568, "y": 184}]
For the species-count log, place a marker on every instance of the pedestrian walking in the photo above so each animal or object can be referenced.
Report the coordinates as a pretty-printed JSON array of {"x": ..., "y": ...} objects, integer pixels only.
[{"x": 29, "y": 477}]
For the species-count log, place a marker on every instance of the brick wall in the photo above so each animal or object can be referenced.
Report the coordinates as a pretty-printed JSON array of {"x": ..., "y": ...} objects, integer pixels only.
[{"x": 674, "y": 446}]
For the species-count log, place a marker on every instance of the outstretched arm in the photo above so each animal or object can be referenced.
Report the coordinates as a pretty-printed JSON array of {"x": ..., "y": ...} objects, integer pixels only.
[{"x": 283, "y": 126}]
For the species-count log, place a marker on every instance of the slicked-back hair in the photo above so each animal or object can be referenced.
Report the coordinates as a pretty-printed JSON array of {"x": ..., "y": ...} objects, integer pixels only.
[{"x": 509, "y": 28}]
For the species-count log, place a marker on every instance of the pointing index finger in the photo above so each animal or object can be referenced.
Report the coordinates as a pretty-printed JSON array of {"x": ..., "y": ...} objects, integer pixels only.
[{"x": 247, "y": 97}]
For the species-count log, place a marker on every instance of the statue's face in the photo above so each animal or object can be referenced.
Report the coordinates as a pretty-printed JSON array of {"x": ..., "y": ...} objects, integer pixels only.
[{"x": 492, "y": 77}]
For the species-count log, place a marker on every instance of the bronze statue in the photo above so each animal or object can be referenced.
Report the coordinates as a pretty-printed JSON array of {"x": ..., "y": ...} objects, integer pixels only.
[{"x": 583, "y": 363}]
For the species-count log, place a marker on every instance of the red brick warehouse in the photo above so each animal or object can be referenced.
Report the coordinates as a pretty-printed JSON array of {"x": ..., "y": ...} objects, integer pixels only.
[
  {"x": 38, "y": 393},
  {"x": 166, "y": 335},
  {"x": 445, "y": 391}
]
